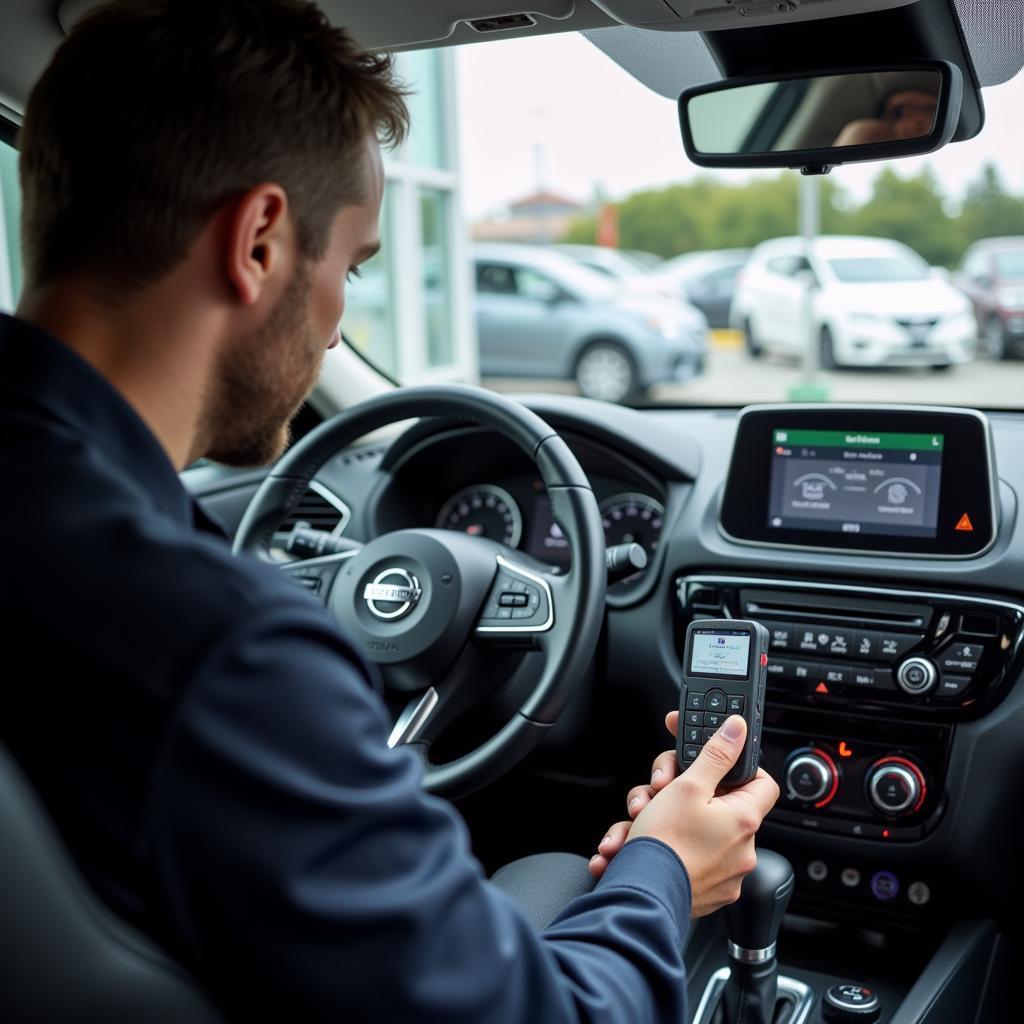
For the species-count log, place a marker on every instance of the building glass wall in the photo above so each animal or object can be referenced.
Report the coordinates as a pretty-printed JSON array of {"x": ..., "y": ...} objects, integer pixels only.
[{"x": 10, "y": 215}]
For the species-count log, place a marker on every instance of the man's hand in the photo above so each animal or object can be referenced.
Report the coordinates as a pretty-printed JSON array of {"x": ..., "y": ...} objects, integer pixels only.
[{"x": 711, "y": 829}]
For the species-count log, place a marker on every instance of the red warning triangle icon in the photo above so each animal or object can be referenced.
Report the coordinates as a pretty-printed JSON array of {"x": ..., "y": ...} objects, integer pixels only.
[
  {"x": 821, "y": 688},
  {"x": 965, "y": 525}
]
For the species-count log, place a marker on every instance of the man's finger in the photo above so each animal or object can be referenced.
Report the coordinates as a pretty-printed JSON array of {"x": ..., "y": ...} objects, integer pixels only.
[
  {"x": 762, "y": 791},
  {"x": 718, "y": 755},
  {"x": 614, "y": 839},
  {"x": 672, "y": 722},
  {"x": 664, "y": 770},
  {"x": 637, "y": 799}
]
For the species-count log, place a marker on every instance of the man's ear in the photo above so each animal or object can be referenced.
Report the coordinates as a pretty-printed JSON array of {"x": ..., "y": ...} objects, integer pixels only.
[{"x": 259, "y": 236}]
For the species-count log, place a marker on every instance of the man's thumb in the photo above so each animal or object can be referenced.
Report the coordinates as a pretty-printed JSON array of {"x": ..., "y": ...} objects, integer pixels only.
[{"x": 719, "y": 754}]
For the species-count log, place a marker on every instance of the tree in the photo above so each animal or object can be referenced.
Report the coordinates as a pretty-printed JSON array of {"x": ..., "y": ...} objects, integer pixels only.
[
  {"x": 989, "y": 210},
  {"x": 910, "y": 210}
]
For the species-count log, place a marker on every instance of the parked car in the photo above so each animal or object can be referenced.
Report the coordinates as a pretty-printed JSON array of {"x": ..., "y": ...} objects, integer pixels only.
[
  {"x": 542, "y": 314},
  {"x": 871, "y": 301},
  {"x": 615, "y": 263},
  {"x": 992, "y": 276},
  {"x": 707, "y": 280}
]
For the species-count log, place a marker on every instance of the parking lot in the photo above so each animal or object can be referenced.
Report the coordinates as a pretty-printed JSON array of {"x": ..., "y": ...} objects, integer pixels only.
[{"x": 733, "y": 378}]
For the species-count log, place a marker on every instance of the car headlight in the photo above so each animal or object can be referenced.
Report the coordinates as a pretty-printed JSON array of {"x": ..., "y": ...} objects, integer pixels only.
[
  {"x": 666, "y": 326},
  {"x": 1011, "y": 299}
]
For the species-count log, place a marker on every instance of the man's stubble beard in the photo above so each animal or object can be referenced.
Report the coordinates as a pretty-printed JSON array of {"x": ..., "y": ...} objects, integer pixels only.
[{"x": 261, "y": 382}]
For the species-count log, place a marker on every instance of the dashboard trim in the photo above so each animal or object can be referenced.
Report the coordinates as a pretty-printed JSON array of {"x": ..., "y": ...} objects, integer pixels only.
[
  {"x": 993, "y": 484},
  {"x": 762, "y": 581}
]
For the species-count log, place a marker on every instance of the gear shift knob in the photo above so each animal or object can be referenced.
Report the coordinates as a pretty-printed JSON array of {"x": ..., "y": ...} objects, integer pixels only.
[{"x": 753, "y": 921}]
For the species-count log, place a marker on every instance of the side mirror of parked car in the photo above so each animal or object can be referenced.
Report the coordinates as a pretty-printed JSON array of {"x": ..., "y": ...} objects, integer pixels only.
[{"x": 815, "y": 121}]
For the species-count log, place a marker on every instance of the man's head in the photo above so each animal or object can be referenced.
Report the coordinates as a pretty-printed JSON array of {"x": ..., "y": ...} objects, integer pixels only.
[
  {"x": 910, "y": 113},
  {"x": 247, "y": 127}
]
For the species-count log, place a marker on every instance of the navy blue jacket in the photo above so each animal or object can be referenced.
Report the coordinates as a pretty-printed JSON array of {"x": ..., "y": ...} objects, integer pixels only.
[{"x": 214, "y": 754}]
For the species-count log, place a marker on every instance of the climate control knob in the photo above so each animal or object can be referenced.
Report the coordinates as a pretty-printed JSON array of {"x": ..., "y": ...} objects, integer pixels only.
[
  {"x": 916, "y": 676},
  {"x": 895, "y": 786},
  {"x": 811, "y": 776}
]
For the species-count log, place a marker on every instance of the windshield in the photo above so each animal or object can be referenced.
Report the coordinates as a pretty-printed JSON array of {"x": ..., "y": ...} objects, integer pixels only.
[
  {"x": 878, "y": 269},
  {"x": 1010, "y": 264}
]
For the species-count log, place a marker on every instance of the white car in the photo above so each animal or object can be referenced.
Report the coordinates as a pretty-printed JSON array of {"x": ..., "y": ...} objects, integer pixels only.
[{"x": 863, "y": 301}]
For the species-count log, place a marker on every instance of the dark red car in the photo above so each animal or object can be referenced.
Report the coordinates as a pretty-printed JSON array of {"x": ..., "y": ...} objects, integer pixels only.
[{"x": 992, "y": 275}]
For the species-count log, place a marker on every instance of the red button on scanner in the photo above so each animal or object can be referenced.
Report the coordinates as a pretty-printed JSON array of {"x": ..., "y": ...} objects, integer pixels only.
[{"x": 764, "y": 660}]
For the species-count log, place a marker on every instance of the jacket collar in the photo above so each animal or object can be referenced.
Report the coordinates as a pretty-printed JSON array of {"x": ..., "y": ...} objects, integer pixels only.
[{"x": 39, "y": 371}]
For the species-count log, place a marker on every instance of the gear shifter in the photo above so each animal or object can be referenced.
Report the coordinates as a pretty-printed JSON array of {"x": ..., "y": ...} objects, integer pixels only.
[{"x": 753, "y": 921}]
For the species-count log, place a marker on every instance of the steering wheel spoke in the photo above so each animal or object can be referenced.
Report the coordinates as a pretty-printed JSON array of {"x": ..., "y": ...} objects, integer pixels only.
[
  {"x": 317, "y": 575},
  {"x": 520, "y": 604}
]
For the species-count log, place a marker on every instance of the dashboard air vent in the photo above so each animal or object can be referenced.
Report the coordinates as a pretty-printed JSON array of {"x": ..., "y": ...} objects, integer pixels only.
[{"x": 321, "y": 508}]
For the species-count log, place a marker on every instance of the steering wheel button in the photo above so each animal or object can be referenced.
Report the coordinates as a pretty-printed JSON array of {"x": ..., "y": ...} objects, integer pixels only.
[
  {"x": 504, "y": 613},
  {"x": 522, "y": 613}
]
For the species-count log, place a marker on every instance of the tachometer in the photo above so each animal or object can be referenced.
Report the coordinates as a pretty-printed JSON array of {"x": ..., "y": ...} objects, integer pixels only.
[
  {"x": 483, "y": 511},
  {"x": 632, "y": 519}
]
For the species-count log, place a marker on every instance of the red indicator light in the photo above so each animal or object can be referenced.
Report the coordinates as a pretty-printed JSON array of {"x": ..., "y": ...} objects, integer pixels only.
[
  {"x": 821, "y": 688},
  {"x": 965, "y": 525},
  {"x": 885, "y": 833},
  {"x": 779, "y": 451},
  {"x": 844, "y": 750}
]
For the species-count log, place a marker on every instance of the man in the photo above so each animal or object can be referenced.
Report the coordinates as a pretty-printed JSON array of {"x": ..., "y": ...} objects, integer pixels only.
[
  {"x": 905, "y": 114},
  {"x": 198, "y": 180}
]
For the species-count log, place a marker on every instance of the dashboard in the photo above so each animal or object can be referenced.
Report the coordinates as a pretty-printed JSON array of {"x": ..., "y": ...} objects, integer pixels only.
[{"x": 895, "y": 715}]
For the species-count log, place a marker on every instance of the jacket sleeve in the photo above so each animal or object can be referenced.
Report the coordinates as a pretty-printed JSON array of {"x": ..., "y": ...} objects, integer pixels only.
[{"x": 302, "y": 872}]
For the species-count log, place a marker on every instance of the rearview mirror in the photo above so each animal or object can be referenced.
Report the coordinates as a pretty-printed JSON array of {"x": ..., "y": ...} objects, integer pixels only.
[{"x": 815, "y": 121}]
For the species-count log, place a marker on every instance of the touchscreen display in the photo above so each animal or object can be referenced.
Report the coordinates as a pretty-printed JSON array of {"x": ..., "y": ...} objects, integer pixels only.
[
  {"x": 715, "y": 653},
  {"x": 851, "y": 481}
]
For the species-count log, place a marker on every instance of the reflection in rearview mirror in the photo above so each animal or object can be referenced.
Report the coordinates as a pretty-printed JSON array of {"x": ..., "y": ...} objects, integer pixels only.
[{"x": 811, "y": 120}]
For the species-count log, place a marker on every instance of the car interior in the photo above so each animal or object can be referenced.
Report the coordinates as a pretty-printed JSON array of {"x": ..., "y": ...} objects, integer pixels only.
[{"x": 559, "y": 547}]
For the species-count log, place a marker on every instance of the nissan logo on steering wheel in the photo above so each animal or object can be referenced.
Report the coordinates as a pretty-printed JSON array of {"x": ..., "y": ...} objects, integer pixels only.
[{"x": 392, "y": 600}]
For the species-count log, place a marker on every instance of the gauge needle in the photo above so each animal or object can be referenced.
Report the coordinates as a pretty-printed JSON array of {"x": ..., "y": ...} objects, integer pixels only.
[{"x": 475, "y": 530}]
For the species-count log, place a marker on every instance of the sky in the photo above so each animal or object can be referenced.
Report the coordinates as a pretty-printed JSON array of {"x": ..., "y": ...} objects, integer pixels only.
[{"x": 557, "y": 110}]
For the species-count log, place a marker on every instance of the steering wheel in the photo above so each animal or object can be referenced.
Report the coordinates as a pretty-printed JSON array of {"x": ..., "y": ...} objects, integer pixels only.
[{"x": 438, "y": 610}]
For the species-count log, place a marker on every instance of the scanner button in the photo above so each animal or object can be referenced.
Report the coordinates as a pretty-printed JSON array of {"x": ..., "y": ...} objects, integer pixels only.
[
  {"x": 695, "y": 702},
  {"x": 715, "y": 701},
  {"x": 690, "y": 752},
  {"x": 695, "y": 718},
  {"x": 713, "y": 721},
  {"x": 735, "y": 704},
  {"x": 708, "y": 733},
  {"x": 692, "y": 734}
]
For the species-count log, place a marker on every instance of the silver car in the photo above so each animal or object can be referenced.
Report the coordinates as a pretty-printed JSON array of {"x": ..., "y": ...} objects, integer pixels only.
[{"x": 541, "y": 314}]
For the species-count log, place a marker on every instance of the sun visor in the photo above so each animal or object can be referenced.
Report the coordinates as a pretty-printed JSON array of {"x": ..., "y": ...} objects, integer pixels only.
[{"x": 707, "y": 15}]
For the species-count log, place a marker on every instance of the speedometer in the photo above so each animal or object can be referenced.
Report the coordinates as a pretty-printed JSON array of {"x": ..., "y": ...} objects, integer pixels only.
[
  {"x": 483, "y": 511},
  {"x": 632, "y": 519}
]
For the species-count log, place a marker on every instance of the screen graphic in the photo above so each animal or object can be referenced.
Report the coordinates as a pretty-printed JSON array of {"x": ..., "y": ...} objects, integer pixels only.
[
  {"x": 718, "y": 654},
  {"x": 856, "y": 482}
]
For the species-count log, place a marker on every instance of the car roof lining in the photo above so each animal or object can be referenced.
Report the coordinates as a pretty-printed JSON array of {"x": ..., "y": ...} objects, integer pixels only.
[{"x": 666, "y": 61}]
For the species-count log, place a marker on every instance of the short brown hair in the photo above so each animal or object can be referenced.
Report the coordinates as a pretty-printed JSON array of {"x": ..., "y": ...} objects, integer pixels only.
[{"x": 153, "y": 113}]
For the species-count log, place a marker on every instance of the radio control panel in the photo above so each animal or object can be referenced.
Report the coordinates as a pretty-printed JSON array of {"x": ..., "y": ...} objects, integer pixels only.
[
  {"x": 869, "y": 645},
  {"x": 865, "y": 685}
]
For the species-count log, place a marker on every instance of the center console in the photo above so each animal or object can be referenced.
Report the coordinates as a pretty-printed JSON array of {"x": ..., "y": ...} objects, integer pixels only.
[{"x": 868, "y": 685}]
